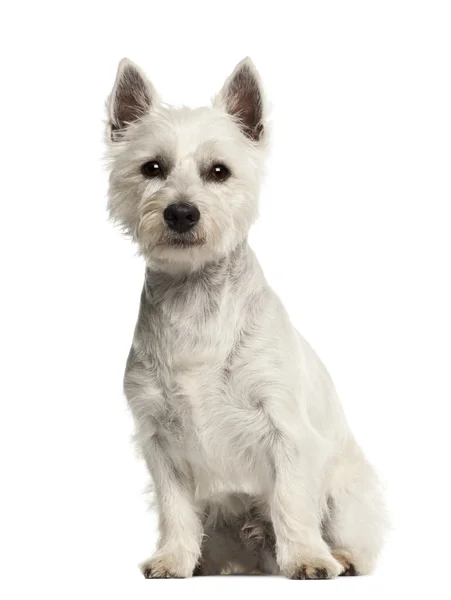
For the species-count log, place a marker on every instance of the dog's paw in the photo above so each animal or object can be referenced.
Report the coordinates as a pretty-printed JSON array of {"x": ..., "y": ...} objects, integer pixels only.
[
  {"x": 162, "y": 567},
  {"x": 200, "y": 569},
  {"x": 316, "y": 568},
  {"x": 257, "y": 535},
  {"x": 345, "y": 559}
]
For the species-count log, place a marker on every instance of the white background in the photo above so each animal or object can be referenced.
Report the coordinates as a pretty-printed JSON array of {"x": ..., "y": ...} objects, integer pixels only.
[{"x": 354, "y": 235}]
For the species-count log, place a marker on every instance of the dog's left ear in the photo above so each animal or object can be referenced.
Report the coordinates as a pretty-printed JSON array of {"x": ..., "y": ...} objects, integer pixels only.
[
  {"x": 242, "y": 97},
  {"x": 132, "y": 97}
]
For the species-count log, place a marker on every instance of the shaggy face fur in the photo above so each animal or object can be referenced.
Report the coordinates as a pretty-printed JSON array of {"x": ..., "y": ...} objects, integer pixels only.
[
  {"x": 253, "y": 463},
  {"x": 187, "y": 144}
]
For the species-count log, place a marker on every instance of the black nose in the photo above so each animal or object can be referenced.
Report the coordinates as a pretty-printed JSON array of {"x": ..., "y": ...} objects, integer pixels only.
[{"x": 181, "y": 217}]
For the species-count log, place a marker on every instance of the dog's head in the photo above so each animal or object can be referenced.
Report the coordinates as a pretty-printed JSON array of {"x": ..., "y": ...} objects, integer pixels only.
[{"x": 184, "y": 183}]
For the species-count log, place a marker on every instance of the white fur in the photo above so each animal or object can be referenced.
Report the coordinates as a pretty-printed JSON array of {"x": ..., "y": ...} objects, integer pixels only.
[{"x": 233, "y": 409}]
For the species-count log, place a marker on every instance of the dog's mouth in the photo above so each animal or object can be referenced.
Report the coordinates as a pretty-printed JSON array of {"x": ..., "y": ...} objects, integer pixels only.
[
  {"x": 152, "y": 235},
  {"x": 182, "y": 240}
]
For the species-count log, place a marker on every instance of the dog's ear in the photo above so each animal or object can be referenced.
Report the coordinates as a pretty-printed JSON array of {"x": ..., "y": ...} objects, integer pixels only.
[
  {"x": 242, "y": 97},
  {"x": 132, "y": 97}
]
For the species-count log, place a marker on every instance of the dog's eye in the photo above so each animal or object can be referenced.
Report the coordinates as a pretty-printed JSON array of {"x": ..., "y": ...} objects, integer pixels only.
[
  {"x": 219, "y": 173},
  {"x": 152, "y": 169}
]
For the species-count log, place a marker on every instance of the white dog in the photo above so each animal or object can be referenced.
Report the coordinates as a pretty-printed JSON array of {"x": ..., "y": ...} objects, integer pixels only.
[{"x": 254, "y": 466}]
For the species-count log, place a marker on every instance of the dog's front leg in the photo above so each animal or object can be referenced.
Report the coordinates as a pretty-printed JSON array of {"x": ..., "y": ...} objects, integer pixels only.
[
  {"x": 180, "y": 528},
  {"x": 295, "y": 513}
]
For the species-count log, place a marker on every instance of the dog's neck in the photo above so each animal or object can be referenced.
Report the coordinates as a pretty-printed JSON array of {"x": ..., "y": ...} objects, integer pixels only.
[
  {"x": 175, "y": 272},
  {"x": 207, "y": 280},
  {"x": 183, "y": 313}
]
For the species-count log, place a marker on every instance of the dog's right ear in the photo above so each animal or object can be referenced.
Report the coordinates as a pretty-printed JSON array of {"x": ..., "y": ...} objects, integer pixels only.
[
  {"x": 132, "y": 97},
  {"x": 242, "y": 97}
]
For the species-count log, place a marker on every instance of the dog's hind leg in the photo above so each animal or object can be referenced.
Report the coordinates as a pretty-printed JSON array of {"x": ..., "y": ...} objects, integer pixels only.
[
  {"x": 356, "y": 523},
  {"x": 242, "y": 544},
  {"x": 257, "y": 534},
  {"x": 224, "y": 553}
]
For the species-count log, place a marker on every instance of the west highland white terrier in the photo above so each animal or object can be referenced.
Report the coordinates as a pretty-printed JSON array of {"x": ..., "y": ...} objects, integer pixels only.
[{"x": 254, "y": 466}]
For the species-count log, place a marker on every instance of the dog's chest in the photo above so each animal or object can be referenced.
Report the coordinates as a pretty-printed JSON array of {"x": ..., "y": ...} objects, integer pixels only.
[
  {"x": 218, "y": 436},
  {"x": 209, "y": 417},
  {"x": 215, "y": 429}
]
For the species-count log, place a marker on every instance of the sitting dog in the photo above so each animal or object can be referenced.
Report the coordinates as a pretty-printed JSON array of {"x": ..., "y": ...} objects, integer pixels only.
[{"x": 254, "y": 466}]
